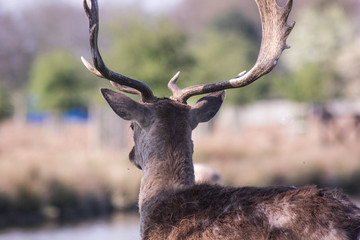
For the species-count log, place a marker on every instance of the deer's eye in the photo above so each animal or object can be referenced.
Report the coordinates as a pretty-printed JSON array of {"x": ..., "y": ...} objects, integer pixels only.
[{"x": 132, "y": 126}]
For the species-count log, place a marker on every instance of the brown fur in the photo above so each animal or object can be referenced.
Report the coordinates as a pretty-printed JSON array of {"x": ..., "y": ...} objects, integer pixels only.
[{"x": 214, "y": 212}]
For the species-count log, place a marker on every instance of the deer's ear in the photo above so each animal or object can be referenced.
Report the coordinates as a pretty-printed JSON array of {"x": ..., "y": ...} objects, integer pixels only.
[
  {"x": 206, "y": 108},
  {"x": 127, "y": 108}
]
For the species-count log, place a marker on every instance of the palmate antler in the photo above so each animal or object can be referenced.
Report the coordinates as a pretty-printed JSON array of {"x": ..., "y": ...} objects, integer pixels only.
[{"x": 275, "y": 31}]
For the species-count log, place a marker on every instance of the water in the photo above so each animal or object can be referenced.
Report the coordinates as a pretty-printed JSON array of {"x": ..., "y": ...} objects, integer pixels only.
[{"x": 125, "y": 227}]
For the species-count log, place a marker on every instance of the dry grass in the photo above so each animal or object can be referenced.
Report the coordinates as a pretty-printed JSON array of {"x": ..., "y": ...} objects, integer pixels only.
[
  {"x": 30, "y": 153},
  {"x": 268, "y": 155}
]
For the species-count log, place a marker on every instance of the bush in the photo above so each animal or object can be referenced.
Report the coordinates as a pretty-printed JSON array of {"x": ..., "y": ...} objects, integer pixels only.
[{"x": 59, "y": 83}]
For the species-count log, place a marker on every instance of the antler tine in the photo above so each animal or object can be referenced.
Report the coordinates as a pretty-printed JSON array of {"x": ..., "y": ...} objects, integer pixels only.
[
  {"x": 275, "y": 31},
  {"x": 125, "y": 88},
  {"x": 172, "y": 84},
  {"x": 91, "y": 68},
  {"x": 116, "y": 85},
  {"x": 123, "y": 83}
]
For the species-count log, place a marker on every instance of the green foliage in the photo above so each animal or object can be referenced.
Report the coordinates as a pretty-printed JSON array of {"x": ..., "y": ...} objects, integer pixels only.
[
  {"x": 315, "y": 46},
  {"x": 319, "y": 33},
  {"x": 309, "y": 84},
  {"x": 347, "y": 67},
  {"x": 151, "y": 52},
  {"x": 234, "y": 22},
  {"x": 58, "y": 80},
  {"x": 6, "y": 108},
  {"x": 229, "y": 46}
]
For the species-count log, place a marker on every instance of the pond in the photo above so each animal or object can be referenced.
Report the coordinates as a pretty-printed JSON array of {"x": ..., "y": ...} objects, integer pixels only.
[{"x": 117, "y": 227}]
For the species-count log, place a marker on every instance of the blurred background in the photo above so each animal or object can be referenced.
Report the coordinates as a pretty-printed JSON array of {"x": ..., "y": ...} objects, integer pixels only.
[{"x": 64, "y": 170}]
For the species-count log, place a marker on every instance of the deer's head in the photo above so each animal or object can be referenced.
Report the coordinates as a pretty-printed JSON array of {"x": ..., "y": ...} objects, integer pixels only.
[
  {"x": 168, "y": 122},
  {"x": 162, "y": 122}
]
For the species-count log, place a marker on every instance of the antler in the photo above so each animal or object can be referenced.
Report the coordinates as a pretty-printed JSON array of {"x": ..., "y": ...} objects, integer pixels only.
[
  {"x": 120, "y": 81},
  {"x": 275, "y": 31}
]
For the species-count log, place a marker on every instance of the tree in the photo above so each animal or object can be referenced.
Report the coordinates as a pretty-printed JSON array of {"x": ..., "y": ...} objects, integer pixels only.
[
  {"x": 30, "y": 30},
  {"x": 307, "y": 84},
  {"x": 150, "y": 50},
  {"x": 320, "y": 32},
  {"x": 15, "y": 52},
  {"x": 194, "y": 17},
  {"x": 317, "y": 40},
  {"x": 58, "y": 81},
  {"x": 347, "y": 67},
  {"x": 230, "y": 45}
]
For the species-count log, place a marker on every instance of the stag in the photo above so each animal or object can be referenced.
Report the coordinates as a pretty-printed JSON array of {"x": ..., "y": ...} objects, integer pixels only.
[{"x": 171, "y": 205}]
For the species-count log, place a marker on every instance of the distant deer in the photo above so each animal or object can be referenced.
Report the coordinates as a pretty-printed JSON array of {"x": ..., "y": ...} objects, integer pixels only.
[
  {"x": 327, "y": 122},
  {"x": 356, "y": 119},
  {"x": 171, "y": 205},
  {"x": 206, "y": 174}
]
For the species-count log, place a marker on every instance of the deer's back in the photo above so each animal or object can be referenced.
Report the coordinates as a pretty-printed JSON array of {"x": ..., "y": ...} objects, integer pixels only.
[{"x": 214, "y": 212}]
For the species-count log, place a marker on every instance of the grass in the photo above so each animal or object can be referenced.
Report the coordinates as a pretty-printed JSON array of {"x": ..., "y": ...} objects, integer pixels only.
[{"x": 58, "y": 174}]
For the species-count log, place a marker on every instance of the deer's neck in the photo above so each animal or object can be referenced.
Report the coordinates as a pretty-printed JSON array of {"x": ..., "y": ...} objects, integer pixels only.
[
  {"x": 169, "y": 168},
  {"x": 165, "y": 171}
]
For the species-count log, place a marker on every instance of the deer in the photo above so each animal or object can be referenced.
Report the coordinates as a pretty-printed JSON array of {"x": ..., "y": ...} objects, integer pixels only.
[{"x": 171, "y": 205}]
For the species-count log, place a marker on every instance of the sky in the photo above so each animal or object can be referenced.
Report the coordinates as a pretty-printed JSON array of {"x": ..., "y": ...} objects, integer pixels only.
[{"x": 148, "y": 5}]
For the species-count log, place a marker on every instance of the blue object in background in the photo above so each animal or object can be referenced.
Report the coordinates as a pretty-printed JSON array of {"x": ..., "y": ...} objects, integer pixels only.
[
  {"x": 37, "y": 117},
  {"x": 75, "y": 115},
  {"x": 71, "y": 116}
]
